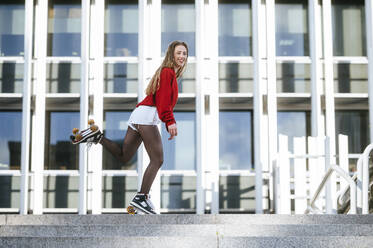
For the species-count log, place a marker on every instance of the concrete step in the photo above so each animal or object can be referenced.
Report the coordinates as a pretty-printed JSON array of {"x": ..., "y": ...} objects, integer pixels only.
[
  {"x": 190, "y": 242},
  {"x": 125, "y": 219},
  {"x": 241, "y": 230},
  {"x": 218, "y": 231}
]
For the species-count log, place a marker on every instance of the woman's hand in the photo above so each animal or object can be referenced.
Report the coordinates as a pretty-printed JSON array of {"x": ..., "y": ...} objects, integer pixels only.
[{"x": 172, "y": 129}]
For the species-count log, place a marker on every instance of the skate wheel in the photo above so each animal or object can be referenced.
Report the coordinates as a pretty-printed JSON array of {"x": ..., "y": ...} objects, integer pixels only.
[
  {"x": 94, "y": 128},
  {"x": 91, "y": 122},
  {"x": 131, "y": 210},
  {"x": 75, "y": 130},
  {"x": 78, "y": 137}
]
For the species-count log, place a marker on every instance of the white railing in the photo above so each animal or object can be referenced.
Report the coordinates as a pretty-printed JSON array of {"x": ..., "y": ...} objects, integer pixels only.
[
  {"x": 298, "y": 175},
  {"x": 308, "y": 179},
  {"x": 363, "y": 180},
  {"x": 334, "y": 168}
]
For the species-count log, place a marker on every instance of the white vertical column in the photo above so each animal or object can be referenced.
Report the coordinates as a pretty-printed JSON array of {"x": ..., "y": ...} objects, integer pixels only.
[
  {"x": 37, "y": 158},
  {"x": 204, "y": 195},
  {"x": 300, "y": 187},
  {"x": 149, "y": 61},
  {"x": 343, "y": 157},
  {"x": 208, "y": 91},
  {"x": 314, "y": 20},
  {"x": 369, "y": 34},
  {"x": 97, "y": 53},
  {"x": 258, "y": 103},
  {"x": 84, "y": 106},
  {"x": 271, "y": 85},
  {"x": 329, "y": 99},
  {"x": 26, "y": 107}
]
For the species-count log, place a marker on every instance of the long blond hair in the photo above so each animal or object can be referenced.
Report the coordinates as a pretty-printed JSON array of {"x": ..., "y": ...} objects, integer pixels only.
[{"x": 170, "y": 62}]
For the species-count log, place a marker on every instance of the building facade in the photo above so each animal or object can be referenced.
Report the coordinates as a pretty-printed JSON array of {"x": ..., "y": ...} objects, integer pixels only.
[{"x": 256, "y": 69}]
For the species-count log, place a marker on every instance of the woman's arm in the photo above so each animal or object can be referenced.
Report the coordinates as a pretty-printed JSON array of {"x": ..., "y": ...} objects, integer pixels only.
[{"x": 163, "y": 97}]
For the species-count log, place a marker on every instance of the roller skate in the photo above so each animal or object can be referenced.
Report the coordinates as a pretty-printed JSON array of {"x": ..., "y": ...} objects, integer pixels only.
[
  {"x": 91, "y": 135},
  {"x": 141, "y": 204}
]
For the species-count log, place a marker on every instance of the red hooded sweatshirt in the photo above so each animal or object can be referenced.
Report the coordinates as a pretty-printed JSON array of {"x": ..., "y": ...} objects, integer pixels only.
[{"x": 165, "y": 97}]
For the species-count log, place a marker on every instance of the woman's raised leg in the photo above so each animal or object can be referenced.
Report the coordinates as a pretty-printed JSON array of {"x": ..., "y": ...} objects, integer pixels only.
[{"x": 131, "y": 143}]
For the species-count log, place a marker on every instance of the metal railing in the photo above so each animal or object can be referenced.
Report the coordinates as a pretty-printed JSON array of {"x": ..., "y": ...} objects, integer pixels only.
[
  {"x": 334, "y": 168},
  {"x": 363, "y": 180}
]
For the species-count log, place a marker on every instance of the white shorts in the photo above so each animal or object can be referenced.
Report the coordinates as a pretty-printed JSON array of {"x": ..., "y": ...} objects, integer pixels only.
[{"x": 144, "y": 115}]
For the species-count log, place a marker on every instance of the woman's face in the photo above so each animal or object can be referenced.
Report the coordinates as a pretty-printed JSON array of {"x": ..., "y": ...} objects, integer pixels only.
[{"x": 180, "y": 55}]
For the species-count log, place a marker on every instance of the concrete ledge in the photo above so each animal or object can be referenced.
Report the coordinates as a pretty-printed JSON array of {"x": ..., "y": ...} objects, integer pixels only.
[
  {"x": 236, "y": 219},
  {"x": 151, "y": 230},
  {"x": 299, "y": 242},
  {"x": 110, "y": 231},
  {"x": 112, "y": 242},
  {"x": 2, "y": 219}
]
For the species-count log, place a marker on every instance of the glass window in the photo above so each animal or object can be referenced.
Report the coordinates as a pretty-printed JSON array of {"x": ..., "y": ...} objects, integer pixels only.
[
  {"x": 11, "y": 78},
  {"x": 180, "y": 153},
  {"x": 121, "y": 27},
  {"x": 178, "y": 192},
  {"x": 10, "y": 140},
  {"x": 118, "y": 191},
  {"x": 12, "y": 27},
  {"x": 293, "y": 78},
  {"x": 187, "y": 83},
  {"x": 178, "y": 23},
  {"x": 121, "y": 78},
  {"x": 236, "y": 77},
  {"x": 354, "y": 124},
  {"x": 63, "y": 78},
  {"x": 292, "y": 36},
  {"x": 237, "y": 192},
  {"x": 64, "y": 27},
  {"x": 60, "y": 154},
  {"x": 61, "y": 192},
  {"x": 350, "y": 78},
  {"x": 10, "y": 191},
  {"x": 293, "y": 124},
  {"x": 115, "y": 129},
  {"x": 235, "y": 140},
  {"x": 235, "y": 36},
  {"x": 348, "y": 20}
]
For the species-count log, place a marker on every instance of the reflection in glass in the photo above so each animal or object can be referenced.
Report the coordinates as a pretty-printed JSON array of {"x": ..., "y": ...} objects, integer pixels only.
[
  {"x": 61, "y": 192},
  {"x": 180, "y": 153},
  {"x": 350, "y": 78},
  {"x": 11, "y": 78},
  {"x": 10, "y": 140},
  {"x": 121, "y": 78},
  {"x": 235, "y": 28},
  {"x": 293, "y": 78},
  {"x": 117, "y": 192},
  {"x": 235, "y": 140},
  {"x": 10, "y": 188},
  {"x": 292, "y": 28},
  {"x": 187, "y": 83},
  {"x": 348, "y": 20},
  {"x": 64, "y": 27},
  {"x": 121, "y": 27},
  {"x": 178, "y": 192},
  {"x": 60, "y": 154},
  {"x": 115, "y": 129},
  {"x": 237, "y": 192},
  {"x": 63, "y": 78},
  {"x": 12, "y": 27},
  {"x": 235, "y": 78},
  {"x": 293, "y": 124},
  {"x": 178, "y": 23},
  {"x": 354, "y": 124}
]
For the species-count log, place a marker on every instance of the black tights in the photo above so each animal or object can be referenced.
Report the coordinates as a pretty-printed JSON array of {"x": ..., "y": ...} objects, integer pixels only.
[{"x": 149, "y": 134}]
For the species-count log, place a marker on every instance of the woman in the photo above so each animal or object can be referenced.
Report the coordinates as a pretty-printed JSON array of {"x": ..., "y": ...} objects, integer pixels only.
[{"x": 162, "y": 94}]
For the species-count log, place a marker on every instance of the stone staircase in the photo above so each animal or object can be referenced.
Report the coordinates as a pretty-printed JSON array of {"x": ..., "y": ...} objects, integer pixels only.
[{"x": 179, "y": 231}]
